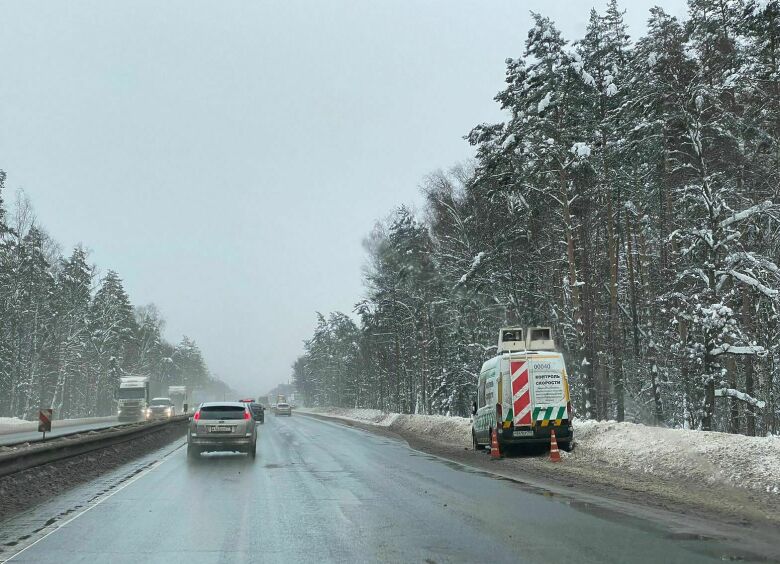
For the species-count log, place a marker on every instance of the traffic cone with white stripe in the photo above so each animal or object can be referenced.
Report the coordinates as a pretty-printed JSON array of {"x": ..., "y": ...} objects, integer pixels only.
[
  {"x": 555, "y": 454},
  {"x": 495, "y": 453}
]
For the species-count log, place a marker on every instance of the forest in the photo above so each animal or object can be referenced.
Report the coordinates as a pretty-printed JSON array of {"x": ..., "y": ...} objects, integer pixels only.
[
  {"x": 629, "y": 200},
  {"x": 67, "y": 334}
]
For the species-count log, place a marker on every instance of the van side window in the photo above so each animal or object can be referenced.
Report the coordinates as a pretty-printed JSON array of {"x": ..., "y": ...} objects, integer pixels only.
[{"x": 481, "y": 390}]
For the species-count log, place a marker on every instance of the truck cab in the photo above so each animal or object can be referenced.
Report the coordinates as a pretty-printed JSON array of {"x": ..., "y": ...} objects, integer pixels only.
[
  {"x": 523, "y": 392},
  {"x": 133, "y": 398}
]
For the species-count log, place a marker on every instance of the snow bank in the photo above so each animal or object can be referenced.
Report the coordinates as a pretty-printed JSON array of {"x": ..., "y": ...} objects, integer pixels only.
[
  {"x": 451, "y": 430},
  {"x": 12, "y": 422},
  {"x": 675, "y": 454},
  {"x": 16, "y": 425},
  {"x": 709, "y": 457}
]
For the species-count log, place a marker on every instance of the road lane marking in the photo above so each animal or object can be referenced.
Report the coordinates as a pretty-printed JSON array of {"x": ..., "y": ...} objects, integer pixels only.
[{"x": 98, "y": 502}]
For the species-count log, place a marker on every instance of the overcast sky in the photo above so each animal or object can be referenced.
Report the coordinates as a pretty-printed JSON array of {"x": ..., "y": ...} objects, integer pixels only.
[{"x": 228, "y": 158}]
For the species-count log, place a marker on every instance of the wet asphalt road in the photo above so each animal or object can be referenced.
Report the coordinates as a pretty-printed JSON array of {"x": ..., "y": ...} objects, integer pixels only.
[
  {"x": 320, "y": 491},
  {"x": 20, "y": 437}
]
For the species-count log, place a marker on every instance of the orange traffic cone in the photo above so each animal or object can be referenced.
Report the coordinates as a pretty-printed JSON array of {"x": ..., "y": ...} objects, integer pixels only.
[
  {"x": 495, "y": 453},
  {"x": 555, "y": 454}
]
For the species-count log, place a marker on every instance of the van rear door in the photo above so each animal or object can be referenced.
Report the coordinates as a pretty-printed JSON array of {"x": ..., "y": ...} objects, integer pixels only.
[
  {"x": 521, "y": 394},
  {"x": 548, "y": 389}
]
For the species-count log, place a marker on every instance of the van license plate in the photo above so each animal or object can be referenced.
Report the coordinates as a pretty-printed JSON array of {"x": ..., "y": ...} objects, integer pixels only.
[
  {"x": 220, "y": 429},
  {"x": 523, "y": 433}
]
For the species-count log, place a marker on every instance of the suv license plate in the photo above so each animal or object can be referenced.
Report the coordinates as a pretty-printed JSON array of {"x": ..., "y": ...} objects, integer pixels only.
[
  {"x": 523, "y": 433},
  {"x": 220, "y": 429}
]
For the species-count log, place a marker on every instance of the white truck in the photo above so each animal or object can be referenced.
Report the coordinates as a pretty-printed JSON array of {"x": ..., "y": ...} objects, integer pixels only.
[
  {"x": 178, "y": 395},
  {"x": 133, "y": 398},
  {"x": 523, "y": 392}
]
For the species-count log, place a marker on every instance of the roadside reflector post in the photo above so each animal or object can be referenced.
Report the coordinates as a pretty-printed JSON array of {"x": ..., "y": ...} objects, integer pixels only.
[{"x": 44, "y": 421}]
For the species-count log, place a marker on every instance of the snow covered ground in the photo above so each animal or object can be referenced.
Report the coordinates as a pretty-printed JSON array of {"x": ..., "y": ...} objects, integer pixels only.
[
  {"x": 12, "y": 422},
  {"x": 16, "y": 425},
  {"x": 453, "y": 430},
  {"x": 708, "y": 457},
  {"x": 676, "y": 454}
]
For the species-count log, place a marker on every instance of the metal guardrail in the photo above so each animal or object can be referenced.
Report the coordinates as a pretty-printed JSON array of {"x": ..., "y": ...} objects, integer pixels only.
[{"x": 25, "y": 456}]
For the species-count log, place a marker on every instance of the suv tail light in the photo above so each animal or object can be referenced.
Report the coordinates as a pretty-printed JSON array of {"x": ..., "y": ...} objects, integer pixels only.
[
  {"x": 196, "y": 417},
  {"x": 247, "y": 415}
]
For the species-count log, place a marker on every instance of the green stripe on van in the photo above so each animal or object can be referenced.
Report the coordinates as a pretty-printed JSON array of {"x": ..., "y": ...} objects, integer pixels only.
[{"x": 546, "y": 414}]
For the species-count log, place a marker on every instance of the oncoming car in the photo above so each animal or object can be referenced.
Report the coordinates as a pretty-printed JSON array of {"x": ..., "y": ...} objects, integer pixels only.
[
  {"x": 222, "y": 426},
  {"x": 160, "y": 408},
  {"x": 283, "y": 409}
]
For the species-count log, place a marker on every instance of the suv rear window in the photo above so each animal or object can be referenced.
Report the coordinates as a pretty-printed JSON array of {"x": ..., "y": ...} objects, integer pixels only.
[{"x": 222, "y": 412}]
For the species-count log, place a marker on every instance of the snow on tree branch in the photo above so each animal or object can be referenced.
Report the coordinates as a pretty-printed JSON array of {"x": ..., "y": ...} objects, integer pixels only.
[
  {"x": 742, "y": 396},
  {"x": 745, "y": 214},
  {"x": 750, "y": 281},
  {"x": 474, "y": 266},
  {"x": 740, "y": 350}
]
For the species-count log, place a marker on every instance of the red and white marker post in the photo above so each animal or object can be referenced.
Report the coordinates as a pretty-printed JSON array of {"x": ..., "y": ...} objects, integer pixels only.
[{"x": 44, "y": 421}]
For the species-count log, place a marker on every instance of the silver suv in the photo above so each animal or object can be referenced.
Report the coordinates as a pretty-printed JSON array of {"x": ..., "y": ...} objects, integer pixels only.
[{"x": 222, "y": 426}]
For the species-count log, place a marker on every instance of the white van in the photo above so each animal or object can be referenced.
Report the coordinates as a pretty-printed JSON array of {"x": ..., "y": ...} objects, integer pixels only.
[{"x": 523, "y": 392}]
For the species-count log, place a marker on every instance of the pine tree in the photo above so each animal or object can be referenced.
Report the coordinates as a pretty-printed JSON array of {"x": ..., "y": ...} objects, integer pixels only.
[
  {"x": 72, "y": 305},
  {"x": 112, "y": 338}
]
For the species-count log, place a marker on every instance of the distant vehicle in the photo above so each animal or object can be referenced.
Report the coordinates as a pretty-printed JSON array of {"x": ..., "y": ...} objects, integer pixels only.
[
  {"x": 257, "y": 410},
  {"x": 283, "y": 409},
  {"x": 178, "y": 395},
  {"x": 222, "y": 426},
  {"x": 160, "y": 408},
  {"x": 133, "y": 398},
  {"x": 523, "y": 392}
]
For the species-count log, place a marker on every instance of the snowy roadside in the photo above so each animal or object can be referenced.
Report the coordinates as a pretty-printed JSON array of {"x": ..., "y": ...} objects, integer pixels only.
[
  {"x": 452, "y": 430},
  {"x": 16, "y": 425},
  {"x": 713, "y": 459}
]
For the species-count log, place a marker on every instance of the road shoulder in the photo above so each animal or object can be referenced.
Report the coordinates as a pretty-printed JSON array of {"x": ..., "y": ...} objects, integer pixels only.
[{"x": 733, "y": 507}]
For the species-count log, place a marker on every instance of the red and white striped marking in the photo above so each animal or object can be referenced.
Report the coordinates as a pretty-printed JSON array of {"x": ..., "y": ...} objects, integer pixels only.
[
  {"x": 44, "y": 420},
  {"x": 521, "y": 392}
]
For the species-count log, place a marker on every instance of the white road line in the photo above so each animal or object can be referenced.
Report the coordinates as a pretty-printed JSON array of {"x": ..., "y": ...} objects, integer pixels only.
[{"x": 96, "y": 503}]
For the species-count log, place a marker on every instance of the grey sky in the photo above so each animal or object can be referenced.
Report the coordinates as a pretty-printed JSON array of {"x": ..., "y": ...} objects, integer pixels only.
[{"x": 227, "y": 158}]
